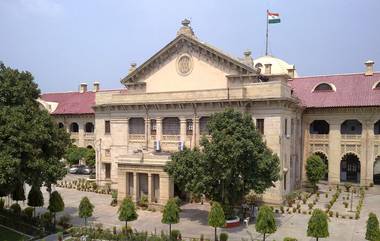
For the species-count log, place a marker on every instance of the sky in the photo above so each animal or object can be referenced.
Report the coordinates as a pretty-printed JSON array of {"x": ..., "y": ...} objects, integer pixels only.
[{"x": 64, "y": 43}]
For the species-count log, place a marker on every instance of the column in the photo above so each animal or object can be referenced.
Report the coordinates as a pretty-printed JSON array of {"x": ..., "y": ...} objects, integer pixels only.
[
  {"x": 159, "y": 128},
  {"x": 183, "y": 129},
  {"x": 147, "y": 131},
  {"x": 166, "y": 188},
  {"x": 127, "y": 133},
  {"x": 196, "y": 132},
  {"x": 306, "y": 147},
  {"x": 81, "y": 134},
  {"x": 334, "y": 155},
  {"x": 122, "y": 184},
  {"x": 135, "y": 187},
  {"x": 367, "y": 158},
  {"x": 150, "y": 188}
]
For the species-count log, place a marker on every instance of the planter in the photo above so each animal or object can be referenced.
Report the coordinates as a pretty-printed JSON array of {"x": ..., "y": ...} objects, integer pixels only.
[{"x": 233, "y": 223}]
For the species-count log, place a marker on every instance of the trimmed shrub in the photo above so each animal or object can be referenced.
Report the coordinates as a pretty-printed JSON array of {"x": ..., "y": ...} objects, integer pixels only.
[
  {"x": 290, "y": 239},
  {"x": 310, "y": 205},
  {"x": 16, "y": 209},
  {"x": 28, "y": 211},
  {"x": 223, "y": 237},
  {"x": 176, "y": 234}
]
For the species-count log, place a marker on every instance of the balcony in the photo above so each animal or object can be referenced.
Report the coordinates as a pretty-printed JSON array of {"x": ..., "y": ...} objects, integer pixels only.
[
  {"x": 137, "y": 138},
  {"x": 351, "y": 137},
  {"x": 171, "y": 138},
  {"x": 319, "y": 136}
]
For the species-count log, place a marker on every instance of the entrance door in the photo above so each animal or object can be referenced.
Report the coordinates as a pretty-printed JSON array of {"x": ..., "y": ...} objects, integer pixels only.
[
  {"x": 376, "y": 171},
  {"x": 350, "y": 168}
]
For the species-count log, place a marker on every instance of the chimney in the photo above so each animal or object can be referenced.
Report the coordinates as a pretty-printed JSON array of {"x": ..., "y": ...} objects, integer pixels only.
[
  {"x": 96, "y": 87},
  {"x": 268, "y": 69},
  {"x": 83, "y": 88},
  {"x": 248, "y": 58},
  {"x": 291, "y": 71},
  {"x": 132, "y": 68},
  {"x": 369, "y": 67}
]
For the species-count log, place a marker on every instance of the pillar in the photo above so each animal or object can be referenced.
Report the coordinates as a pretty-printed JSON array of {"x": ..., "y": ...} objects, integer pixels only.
[
  {"x": 122, "y": 184},
  {"x": 334, "y": 155},
  {"x": 135, "y": 187},
  {"x": 158, "y": 128},
  {"x": 367, "y": 158},
  {"x": 147, "y": 131},
  {"x": 127, "y": 133},
  {"x": 183, "y": 129},
  {"x": 166, "y": 188},
  {"x": 150, "y": 182},
  {"x": 81, "y": 134},
  {"x": 196, "y": 132}
]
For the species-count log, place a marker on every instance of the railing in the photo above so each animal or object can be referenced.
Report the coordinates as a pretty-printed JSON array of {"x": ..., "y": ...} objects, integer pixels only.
[
  {"x": 319, "y": 136},
  {"x": 137, "y": 137},
  {"x": 351, "y": 137},
  {"x": 175, "y": 138}
]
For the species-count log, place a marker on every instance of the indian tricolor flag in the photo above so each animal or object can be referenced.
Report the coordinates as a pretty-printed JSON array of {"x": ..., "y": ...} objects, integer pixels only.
[{"x": 273, "y": 17}]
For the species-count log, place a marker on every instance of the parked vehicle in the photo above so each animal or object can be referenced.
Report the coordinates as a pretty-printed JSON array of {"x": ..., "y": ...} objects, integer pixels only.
[{"x": 80, "y": 169}]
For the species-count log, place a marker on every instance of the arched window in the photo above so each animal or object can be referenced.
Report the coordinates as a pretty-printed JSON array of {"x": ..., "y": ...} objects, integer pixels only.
[
  {"x": 376, "y": 128},
  {"x": 89, "y": 127},
  {"x": 74, "y": 127},
  {"x": 203, "y": 125},
  {"x": 136, "y": 126},
  {"x": 61, "y": 125},
  {"x": 170, "y": 126},
  {"x": 324, "y": 87},
  {"x": 319, "y": 127},
  {"x": 351, "y": 127}
]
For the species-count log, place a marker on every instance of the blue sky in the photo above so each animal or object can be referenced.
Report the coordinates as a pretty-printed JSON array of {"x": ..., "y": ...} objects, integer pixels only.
[{"x": 64, "y": 43}]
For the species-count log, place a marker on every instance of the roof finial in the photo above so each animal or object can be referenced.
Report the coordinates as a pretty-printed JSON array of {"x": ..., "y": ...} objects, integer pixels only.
[{"x": 186, "y": 29}]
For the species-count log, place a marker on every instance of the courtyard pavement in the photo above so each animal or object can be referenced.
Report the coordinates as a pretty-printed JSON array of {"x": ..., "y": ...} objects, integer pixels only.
[{"x": 193, "y": 221}]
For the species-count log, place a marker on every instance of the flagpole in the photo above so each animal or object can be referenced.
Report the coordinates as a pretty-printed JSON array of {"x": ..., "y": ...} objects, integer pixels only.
[{"x": 266, "y": 40}]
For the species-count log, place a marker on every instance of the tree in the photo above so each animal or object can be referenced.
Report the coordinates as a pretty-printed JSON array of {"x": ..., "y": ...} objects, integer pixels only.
[
  {"x": 373, "y": 232},
  {"x": 127, "y": 211},
  {"x": 18, "y": 193},
  {"x": 74, "y": 154},
  {"x": 56, "y": 204},
  {"x": 216, "y": 217},
  {"x": 318, "y": 226},
  {"x": 85, "y": 209},
  {"x": 315, "y": 170},
  {"x": 170, "y": 214},
  {"x": 265, "y": 223},
  {"x": 35, "y": 198},
  {"x": 236, "y": 153},
  {"x": 31, "y": 144}
]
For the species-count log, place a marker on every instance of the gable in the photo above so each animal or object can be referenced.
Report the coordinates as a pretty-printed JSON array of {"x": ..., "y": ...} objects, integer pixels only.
[{"x": 207, "y": 66}]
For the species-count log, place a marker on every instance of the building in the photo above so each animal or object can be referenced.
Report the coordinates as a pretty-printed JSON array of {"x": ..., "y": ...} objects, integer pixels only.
[{"x": 169, "y": 98}]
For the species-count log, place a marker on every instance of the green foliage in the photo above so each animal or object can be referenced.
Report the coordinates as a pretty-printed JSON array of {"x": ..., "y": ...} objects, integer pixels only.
[
  {"x": 223, "y": 236},
  {"x": 2, "y": 202},
  {"x": 86, "y": 208},
  {"x": 28, "y": 211},
  {"x": 127, "y": 210},
  {"x": 35, "y": 197},
  {"x": 290, "y": 239},
  {"x": 236, "y": 153},
  {"x": 373, "y": 231},
  {"x": 265, "y": 223},
  {"x": 318, "y": 226},
  {"x": 144, "y": 201},
  {"x": 56, "y": 203},
  {"x": 74, "y": 154},
  {"x": 18, "y": 193},
  {"x": 216, "y": 217},
  {"x": 16, "y": 209},
  {"x": 315, "y": 169},
  {"x": 176, "y": 234},
  {"x": 31, "y": 144},
  {"x": 170, "y": 214}
]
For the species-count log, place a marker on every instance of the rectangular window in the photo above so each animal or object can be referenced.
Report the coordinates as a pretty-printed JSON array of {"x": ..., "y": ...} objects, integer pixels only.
[
  {"x": 153, "y": 127},
  {"x": 292, "y": 127},
  {"x": 189, "y": 127},
  {"x": 260, "y": 126},
  {"x": 286, "y": 127},
  {"x": 107, "y": 127},
  {"x": 107, "y": 166}
]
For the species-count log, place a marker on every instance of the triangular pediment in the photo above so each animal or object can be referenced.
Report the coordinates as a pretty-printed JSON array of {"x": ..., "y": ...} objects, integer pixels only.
[{"x": 205, "y": 59}]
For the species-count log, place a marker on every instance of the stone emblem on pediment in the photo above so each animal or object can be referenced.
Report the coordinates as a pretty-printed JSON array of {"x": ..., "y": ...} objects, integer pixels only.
[{"x": 184, "y": 64}]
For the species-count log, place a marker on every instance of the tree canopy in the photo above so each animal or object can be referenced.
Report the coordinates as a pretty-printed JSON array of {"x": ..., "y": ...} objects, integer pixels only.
[
  {"x": 318, "y": 225},
  {"x": 315, "y": 169},
  {"x": 74, "y": 154},
  {"x": 228, "y": 165},
  {"x": 86, "y": 208},
  {"x": 265, "y": 223},
  {"x": 373, "y": 231},
  {"x": 127, "y": 211},
  {"x": 216, "y": 217},
  {"x": 31, "y": 144},
  {"x": 170, "y": 214}
]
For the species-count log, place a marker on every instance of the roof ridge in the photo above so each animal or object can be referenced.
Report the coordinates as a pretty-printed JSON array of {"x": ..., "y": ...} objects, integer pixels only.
[{"x": 328, "y": 75}]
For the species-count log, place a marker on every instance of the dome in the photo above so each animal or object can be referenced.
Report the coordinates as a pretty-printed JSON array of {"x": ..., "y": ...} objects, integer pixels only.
[{"x": 279, "y": 66}]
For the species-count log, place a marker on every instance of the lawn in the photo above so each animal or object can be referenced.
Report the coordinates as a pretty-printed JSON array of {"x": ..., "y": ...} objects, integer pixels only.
[{"x": 9, "y": 235}]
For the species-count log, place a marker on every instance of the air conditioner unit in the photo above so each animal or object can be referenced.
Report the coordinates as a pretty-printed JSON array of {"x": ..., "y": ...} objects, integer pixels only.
[
  {"x": 157, "y": 146},
  {"x": 181, "y": 145}
]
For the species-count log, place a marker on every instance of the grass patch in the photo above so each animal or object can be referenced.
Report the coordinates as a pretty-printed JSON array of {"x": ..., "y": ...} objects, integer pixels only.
[{"x": 9, "y": 235}]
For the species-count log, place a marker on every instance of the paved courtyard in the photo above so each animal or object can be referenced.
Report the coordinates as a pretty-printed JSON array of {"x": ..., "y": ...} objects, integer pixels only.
[{"x": 194, "y": 219}]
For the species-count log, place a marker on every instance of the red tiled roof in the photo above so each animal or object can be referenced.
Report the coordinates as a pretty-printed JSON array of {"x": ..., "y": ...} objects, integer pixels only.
[
  {"x": 73, "y": 103},
  {"x": 352, "y": 90}
]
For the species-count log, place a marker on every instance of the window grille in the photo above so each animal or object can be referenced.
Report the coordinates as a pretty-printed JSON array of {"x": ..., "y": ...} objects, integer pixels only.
[
  {"x": 171, "y": 126},
  {"x": 136, "y": 126},
  {"x": 203, "y": 125}
]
